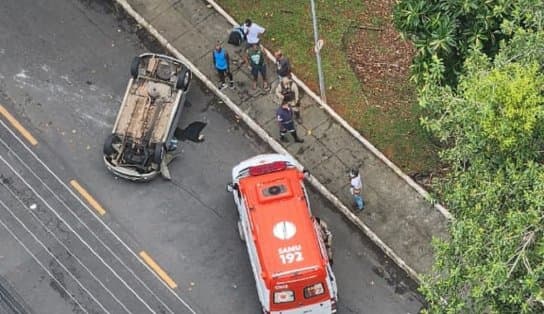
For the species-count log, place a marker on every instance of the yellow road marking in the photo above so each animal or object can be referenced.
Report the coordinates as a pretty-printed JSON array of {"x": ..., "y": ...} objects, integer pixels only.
[
  {"x": 31, "y": 139},
  {"x": 88, "y": 197},
  {"x": 158, "y": 270}
]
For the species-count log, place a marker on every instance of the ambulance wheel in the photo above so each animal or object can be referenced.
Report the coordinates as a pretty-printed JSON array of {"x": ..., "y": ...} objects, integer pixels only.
[
  {"x": 135, "y": 67},
  {"x": 240, "y": 231}
]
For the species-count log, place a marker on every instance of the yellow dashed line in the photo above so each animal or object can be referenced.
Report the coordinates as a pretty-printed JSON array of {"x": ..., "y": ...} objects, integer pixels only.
[
  {"x": 158, "y": 270},
  {"x": 88, "y": 197},
  {"x": 18, "y": 126}
]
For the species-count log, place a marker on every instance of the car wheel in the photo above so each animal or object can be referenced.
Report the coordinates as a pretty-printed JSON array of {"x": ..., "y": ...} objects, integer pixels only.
[
  {"x": 108, "y": 144},
  {"x": 241, "y": 231},
  {"x": 135, "y": 66},
  {"x": 158, "y": 154},
  {"x": 184, "y": 79}
]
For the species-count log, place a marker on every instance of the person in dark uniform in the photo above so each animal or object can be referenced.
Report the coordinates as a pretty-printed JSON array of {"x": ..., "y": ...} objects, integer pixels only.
[
  {"x": 283, "y": 67},
  {"x": 284, "y": 115}
]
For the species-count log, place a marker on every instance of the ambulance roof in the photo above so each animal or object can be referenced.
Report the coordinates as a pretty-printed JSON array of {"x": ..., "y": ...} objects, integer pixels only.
[{"x": 281, "y": 223}]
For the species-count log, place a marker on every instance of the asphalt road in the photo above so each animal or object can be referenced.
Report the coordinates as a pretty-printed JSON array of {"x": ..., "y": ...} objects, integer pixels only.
[{"x": 63, "y": 72}]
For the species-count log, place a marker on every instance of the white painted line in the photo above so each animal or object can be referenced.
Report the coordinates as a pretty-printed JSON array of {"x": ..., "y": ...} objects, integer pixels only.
[
  {"x": 38, "y": 195},
  {"x": 125, "y": 245},
  {"x": 52, "y": 256},
  {"x": 267, "y": 138},
  {"x": 65, "y": 247},
  {"x": 346, "y": 125}
]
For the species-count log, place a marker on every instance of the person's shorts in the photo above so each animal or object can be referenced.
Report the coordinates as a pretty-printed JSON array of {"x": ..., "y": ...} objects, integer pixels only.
[
  {"x": 259, "y": 69},
  {"x": 248, "y": 45}
]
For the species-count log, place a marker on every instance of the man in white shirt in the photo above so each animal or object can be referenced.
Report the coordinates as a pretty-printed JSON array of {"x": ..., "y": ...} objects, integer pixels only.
[
  {"x": 356, "y": 189},
  {"x": 253, "y": 32}
]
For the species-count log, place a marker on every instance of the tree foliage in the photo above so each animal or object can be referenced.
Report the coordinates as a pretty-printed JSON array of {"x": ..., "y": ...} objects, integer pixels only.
[
  {"x": 493, "y": 124},
  {"x": 445, "y": 31},
  {"x": 480, "y": 71}
]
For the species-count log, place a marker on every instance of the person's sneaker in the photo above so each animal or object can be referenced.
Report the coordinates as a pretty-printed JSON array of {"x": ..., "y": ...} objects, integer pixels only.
[
  {"x": 356, "y": 209},
  {"x": 221, "y": 85},
  {"x": 299, "y": 140},
  {"x": 231, "y": 84}
]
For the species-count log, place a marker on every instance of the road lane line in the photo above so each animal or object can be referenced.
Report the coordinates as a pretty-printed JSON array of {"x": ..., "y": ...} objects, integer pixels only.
[
  {"x": 24, "y": 132},
  {"x": 38, "y": 195},
  {"x": 158, "y": 270},
  {"x": 49, "y": 231},
  {"x": 88, "y": 197},
  {"x": 80, "y": 201},
  {"x": 46, "y": 249}
]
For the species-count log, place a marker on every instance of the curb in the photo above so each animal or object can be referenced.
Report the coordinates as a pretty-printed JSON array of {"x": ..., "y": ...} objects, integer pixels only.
[
  {"x": 268, "y": 139},
  {"x": 348, "y": 127}
]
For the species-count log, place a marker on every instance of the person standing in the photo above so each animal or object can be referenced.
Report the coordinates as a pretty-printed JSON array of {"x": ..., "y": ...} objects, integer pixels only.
[
  {"x": 284, "y": 115},
  {"x": 255, "y": 58},
  {"x": 287, "y": 91},
  {"x": 221, "y": 63},
  {"x": 253, "y": 32},
  {"x": 283, "y": 67},
  {"x": 356, "y": 189}
]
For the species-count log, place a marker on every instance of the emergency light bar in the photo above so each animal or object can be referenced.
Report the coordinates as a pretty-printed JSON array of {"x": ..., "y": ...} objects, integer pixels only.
[{"x": 267, "y": 168}]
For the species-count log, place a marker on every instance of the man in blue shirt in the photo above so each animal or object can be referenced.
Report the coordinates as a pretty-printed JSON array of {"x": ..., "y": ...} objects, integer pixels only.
[
  {"x": 284, "y": 115},
  {"x": 221, "y": 63}
]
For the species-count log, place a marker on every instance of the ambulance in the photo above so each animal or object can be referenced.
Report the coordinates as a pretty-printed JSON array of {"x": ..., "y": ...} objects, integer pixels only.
[{"x": 286, "y": 251}]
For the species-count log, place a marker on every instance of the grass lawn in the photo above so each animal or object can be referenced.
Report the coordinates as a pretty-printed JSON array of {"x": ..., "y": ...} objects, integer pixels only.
[{"x": 367, "y": 91}]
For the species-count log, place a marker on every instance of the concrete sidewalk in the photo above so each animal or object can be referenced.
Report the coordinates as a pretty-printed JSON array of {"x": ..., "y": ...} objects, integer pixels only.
[{"x": 396, "y": 216}]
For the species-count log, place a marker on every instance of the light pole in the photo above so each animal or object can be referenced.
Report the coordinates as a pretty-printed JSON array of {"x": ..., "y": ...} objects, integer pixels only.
[{"x": 317, "y": 47}]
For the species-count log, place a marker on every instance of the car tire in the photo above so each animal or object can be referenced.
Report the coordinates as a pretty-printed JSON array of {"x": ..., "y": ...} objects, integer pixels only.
[
  {"x": 184, "y": 79},
  {"x": 158, "y": 153},
  {"x": 135, "y": 67},
  {"x": 108, "y": 144},
  {"x": 241, "y": 231}
]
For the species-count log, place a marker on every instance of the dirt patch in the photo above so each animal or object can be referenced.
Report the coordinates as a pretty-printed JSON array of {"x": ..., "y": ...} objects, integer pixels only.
[{"x": 380, "y": 58}]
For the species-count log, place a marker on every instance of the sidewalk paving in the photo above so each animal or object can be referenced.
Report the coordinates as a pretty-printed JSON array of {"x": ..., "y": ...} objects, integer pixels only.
[{"x": 394, "y": 211}]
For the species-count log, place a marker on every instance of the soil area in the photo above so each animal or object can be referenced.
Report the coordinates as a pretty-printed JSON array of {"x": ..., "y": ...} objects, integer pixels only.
[
  {"x": 381, "y": 60},
  {"x": 378, "y": 55}
]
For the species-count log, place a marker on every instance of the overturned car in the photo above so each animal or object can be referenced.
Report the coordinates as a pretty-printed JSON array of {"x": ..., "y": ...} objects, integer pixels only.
[{"x": 144, "y": 130}]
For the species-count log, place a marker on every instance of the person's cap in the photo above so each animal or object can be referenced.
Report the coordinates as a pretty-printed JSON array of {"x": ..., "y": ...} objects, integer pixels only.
[
  {"x": 285, "y": 80},
  {"x": 248, "y": 22}
]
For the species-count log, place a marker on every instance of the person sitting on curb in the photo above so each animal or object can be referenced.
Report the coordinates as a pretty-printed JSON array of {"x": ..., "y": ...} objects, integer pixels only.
[
  {"x": 221, "y": 63},
  {"x": 287, "y": 91},
  {"x": 257, "y": 64},
  {"x": 284, "y": 115},
  {"x": 356, "y": 189},
  {"x": 253, "y": 32}
]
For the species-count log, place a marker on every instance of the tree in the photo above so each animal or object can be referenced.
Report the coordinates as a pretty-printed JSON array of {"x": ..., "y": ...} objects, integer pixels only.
[
  {"x": 447, "y": 30},
  {"x": 493, "y": 124}
]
